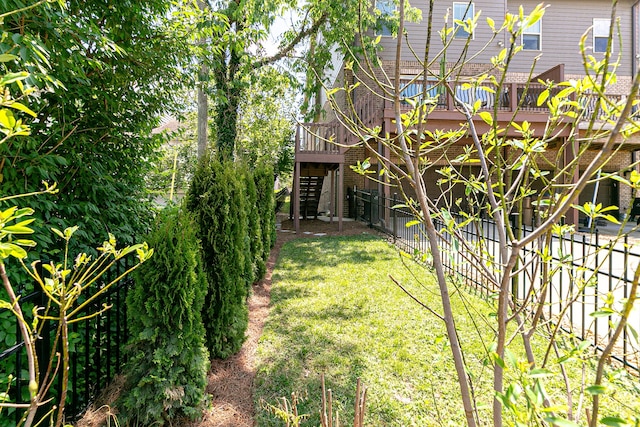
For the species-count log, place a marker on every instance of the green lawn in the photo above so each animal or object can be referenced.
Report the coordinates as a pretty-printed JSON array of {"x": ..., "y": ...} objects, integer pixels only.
[{"x": 335, "y": 311}]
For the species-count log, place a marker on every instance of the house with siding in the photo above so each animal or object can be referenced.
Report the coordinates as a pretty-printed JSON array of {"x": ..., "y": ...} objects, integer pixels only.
[{"x": 550, "y": 52}]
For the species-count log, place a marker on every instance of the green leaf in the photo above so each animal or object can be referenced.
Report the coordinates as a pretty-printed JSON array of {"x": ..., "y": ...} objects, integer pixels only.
[
  {"x": 22, "y": 107},
  {"x": 497, "y": 359},
  {"x": 25, "y": 242},
  {"x": 632, "y": 331},
  {"x": 543, "y": 97},
  {"x": 603, "y": 312},
  {"x": 561, "y": 422},
  {"x": 58, "y": 232},
  {"x": 13, "y": 77},
  {"x": 6, "y": 57},
  {"x": 412, "y": 223},
  {"x": 596, "y": 389},
  {"x": 17, "y": 229},
  {"x": 511, "y": 358},
  {"x": 540, "y": 373},
  {"x": 6, "y": 119},
  {"x": 615, "y": 422},
  {"x": 486, "y": 117},
  {"x": 491, "y": 24},
  {"x": 9, "y": 249},
  {"x": 23, "y": 212}
]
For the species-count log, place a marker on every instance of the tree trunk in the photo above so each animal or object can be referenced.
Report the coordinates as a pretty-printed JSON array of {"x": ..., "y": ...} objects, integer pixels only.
[
  {"x": 203, "y": 113},
  {"x": 203, "y": 102}
]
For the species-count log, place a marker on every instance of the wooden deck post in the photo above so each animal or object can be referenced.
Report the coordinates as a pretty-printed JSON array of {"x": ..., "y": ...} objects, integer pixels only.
[
  {"x": 340, "y": 195},
  {"x": 332, "y": 194},
  {"x": 296, "y": 186},
  {"x": 296, "y": 197}
]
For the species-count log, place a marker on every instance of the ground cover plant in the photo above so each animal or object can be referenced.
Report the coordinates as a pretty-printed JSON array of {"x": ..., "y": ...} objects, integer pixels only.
[{"x": 336, "y": 312}]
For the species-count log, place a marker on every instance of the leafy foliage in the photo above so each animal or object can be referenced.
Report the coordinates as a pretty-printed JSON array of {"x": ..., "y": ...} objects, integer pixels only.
[
  {"x": 265, "y": 126},
  {"x": 114, "y": 67},
  {"x": 167, "y": 369},
  {"x": 217, "y": 198}
]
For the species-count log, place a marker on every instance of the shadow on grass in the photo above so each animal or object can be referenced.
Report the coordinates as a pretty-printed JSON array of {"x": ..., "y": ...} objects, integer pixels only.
[
  {"x": 332, "y": 252},
  {"x": 309, "y": 329}
]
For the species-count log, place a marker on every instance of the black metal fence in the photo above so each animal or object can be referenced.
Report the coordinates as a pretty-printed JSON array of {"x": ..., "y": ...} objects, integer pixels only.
[
  {"x": 584, "y": 272},
  {"x": 96, "y": 349}
]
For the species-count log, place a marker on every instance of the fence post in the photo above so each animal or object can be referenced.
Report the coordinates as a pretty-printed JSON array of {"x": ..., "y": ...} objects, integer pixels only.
[{"x": 394, "y": 217}]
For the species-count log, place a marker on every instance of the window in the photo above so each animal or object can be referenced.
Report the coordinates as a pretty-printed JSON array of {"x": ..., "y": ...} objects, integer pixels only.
[
  {"x": 531, "y": 37},
  {"x": 600, "y": 34},
  {"x": 386, "y": 9},
  {"x": 462, "y": 12}
]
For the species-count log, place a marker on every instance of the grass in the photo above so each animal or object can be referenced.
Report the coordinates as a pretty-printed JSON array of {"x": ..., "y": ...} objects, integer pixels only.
[{"x": 335, "y": 311}]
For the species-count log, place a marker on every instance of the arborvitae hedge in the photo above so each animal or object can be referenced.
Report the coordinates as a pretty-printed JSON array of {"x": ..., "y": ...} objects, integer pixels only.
[
  {"x": 168, "y": 361},
  {"x": 218, "y": 201},
  {"x": 258, "y": 264},
  {"x": 264, "y": 178}
]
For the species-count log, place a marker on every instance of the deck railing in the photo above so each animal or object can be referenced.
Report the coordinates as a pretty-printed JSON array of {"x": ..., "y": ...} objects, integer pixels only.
[
  {"x": 606, "y": 266},
  {"x": 320, "y": 137},
  {"x": 511, "y": 96},
  {"x": 329, "y": 137}
]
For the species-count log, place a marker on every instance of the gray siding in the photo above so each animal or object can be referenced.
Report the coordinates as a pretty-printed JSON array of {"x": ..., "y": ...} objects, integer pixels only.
[
  {"x": 564, "y": 23},
  {"x": 562, "y": 26}
]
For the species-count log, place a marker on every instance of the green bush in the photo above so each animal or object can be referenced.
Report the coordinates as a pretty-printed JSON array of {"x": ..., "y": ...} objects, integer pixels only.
[
  {"x": 217, "y": 199},
  {"x": 256, "y": 242},
  {"x": 168, "y": 362},
  {"x": 264, "y": 178}
]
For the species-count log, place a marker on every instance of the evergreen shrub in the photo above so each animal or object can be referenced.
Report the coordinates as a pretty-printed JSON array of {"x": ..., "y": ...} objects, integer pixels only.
[
  {"x": 217, "y": 199},
  {"x": 256, "y": 242},
  {"x": 168, "y": 361},
  {"x": 264, "y": 178}
]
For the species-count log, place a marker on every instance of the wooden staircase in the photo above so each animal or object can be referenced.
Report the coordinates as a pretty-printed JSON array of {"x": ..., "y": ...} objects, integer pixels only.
[{"x": 310, "y": 190}]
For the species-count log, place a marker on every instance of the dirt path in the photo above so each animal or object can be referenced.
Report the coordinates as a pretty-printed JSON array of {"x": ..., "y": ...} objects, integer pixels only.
[{"x": 231, "y": 380}]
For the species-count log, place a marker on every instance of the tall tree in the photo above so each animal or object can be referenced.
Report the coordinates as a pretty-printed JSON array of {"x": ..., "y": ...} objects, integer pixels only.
[
  {"x": 266, "y": 122},
  {"x": 234, "y": 51}
]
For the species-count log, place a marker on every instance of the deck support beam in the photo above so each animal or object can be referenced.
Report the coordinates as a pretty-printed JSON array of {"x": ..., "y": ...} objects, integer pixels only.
[
  {"x": 296, "y": 197},
  {"x": 340, "y": 195}
]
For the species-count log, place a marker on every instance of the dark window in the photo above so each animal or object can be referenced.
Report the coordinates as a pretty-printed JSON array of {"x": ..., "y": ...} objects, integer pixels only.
[
  {"x": 600, "y": 34},
  {"x": 532, "y": 36}
]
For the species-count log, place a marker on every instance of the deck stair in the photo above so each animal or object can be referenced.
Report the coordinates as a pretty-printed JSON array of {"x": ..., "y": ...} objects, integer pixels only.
[{"x": 310, "y": 190}]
